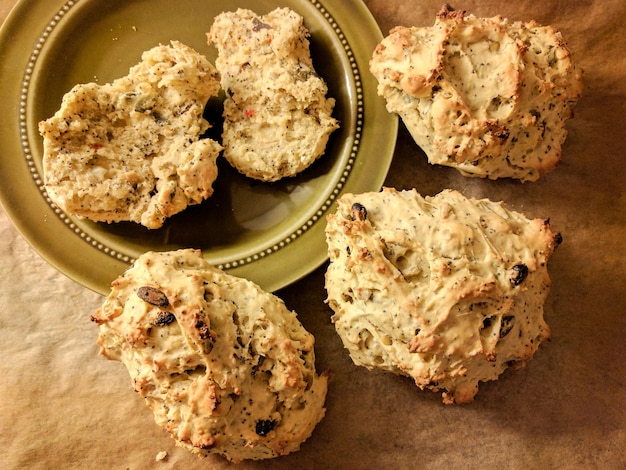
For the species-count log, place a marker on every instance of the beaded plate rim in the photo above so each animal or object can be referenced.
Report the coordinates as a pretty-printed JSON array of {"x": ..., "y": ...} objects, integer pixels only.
[{"x": 236, "y": 264}]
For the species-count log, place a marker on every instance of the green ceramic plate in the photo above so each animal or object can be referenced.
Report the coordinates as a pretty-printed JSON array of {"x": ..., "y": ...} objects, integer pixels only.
[{"x": 270, "y": 233}]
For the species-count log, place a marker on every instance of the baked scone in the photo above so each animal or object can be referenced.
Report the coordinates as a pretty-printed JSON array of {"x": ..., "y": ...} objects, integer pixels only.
[
  {"x": 445, "y": 289},
  {"x": 277, "y": 117},
  {"x": 130, "y": 150},
  {"x": 486, "y": 96},
  {"x": 224, "y": 366}
]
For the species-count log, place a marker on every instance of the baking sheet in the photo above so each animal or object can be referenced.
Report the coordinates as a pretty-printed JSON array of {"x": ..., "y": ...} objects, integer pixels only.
[{"x": 62, "y": 406}]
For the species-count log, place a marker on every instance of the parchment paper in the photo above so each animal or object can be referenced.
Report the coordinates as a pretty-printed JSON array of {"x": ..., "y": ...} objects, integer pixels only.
[{"x": 62, "y": 406}]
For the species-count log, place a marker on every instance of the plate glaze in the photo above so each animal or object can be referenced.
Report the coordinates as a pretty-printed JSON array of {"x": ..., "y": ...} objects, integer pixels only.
[{"x": 270, "y": 233}]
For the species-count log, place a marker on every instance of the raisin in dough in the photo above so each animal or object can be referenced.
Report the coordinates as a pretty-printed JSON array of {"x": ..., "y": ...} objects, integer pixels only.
[
  {"x": 224, "y": 366},
  {"x": 130, "y": 150},
  {"x": 446, "y": 290},
  {"x": 483, "y": 95},
  {"x": 277, "y": 118}
]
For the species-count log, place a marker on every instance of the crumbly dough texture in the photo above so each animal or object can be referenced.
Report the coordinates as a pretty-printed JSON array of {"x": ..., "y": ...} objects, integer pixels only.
[
  {"x": 445, "y": 289},
  {"x": 486, "y": 96},
  {"x": 224, "y": 366},
  {"x": 277, "y": 117},
  {"x": 130, "y": 150}
]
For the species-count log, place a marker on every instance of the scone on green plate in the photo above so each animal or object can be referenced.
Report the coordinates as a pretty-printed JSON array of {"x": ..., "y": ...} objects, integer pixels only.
[
  {"x": 486, "y": 96},
  {"x": 130, "y": 150},
  {"x": 226, "y": 368},
  {"x": 277, "y": 117},
  {"x": 446, "y": 290}
]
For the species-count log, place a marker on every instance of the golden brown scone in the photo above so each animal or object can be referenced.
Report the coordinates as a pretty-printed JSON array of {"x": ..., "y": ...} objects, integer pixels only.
[
  {"x": 483, "y": 95},
  {"x": 277, "y": 118},
  {"x": 130, "y": 150},
  {"x": 224, "y": 366},
  {"x": 446, "y": 290}
]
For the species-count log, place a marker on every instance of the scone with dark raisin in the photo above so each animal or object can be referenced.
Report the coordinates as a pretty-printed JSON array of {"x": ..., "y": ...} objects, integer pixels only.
[
  {"x": 446, "y": 290},
  {"x": 226, "y": 368}
]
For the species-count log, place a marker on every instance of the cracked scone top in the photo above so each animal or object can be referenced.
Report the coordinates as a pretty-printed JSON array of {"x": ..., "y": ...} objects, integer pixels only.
[
  {"x": 445, "y": 289},
  {"x": 225, "y": 367},
  {"x": 486, "y": 96},
  {"x": 277, "y": 117},
  {"x": 130, "y": 150}
]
